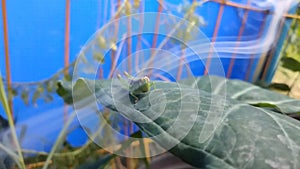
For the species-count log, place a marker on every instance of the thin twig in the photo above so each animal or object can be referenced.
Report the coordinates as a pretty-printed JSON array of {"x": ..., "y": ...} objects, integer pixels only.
[
  {"x": 6, "y": 107},
  {"x": 59, "y": 139}
]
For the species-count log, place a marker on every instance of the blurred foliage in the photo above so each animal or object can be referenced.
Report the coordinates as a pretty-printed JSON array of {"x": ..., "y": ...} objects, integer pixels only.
[
  {"x": 293, "y": 47},
  {"x": 291, "y": 52},
  {"x": 3, "y": 123},
  {"x": 290, "y": 58},
  {"x": 67, "y": 157},
  {"x": 32, "y": 92},
  {"x": 188, "y": 147},
  {"x": 291, "y": 63},
  {"x": 279, "y": 86}
]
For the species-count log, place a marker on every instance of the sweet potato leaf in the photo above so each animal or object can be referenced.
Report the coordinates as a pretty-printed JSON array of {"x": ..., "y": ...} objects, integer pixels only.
[
  {"x": 247, "y": 93},
  {"x": 237, "y": 136}
]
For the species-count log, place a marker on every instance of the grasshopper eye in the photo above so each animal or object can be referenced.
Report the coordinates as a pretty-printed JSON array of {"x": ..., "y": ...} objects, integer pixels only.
[{"x": 146, "y": 79}]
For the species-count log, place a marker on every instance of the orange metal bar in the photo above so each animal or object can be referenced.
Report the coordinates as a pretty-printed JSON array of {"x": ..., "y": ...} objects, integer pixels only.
[
  {"x": 154, "y": 41},
  {"x": 129, "y": 44},
  {"x": 7, "y": 57},
  {"x": 247, "y": 7},
  {"x": 208, "y": 61},
  {"x": 228, "y": 3},
  {"x": 100, "y": 75},
  {"x": 251, "y": 57},
  {"x": 100, "y": 70},
  {"x": 129, "y": 63},
  {"x": 232, "y": 60},
  {"x": 113, "y": 53},
  {"x": 155, "y": 36},
  {"x": 264, "y": 74},
  {"x": 139, "y": 40},
  {"x": 67, "y": 48},
  {"x": 67, "y": 36},
  {"x": 271, "y": 54},
  {"x": 180, "y": 68}
]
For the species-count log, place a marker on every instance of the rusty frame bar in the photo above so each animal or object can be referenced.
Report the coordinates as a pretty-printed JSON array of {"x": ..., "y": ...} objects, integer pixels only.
[
  {"x": 246, "y": 7},
  {"x": 215, "y": 34},
  {"x": 241, "y": 31},
  {"x": 271, "y": 54},
  {"x": 7, "y": 57},
  {"x": 224, "y": 2},
  {"x": 252, "y": 56}
]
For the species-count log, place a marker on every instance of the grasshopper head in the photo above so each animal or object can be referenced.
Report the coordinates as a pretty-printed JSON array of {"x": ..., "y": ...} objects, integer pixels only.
[{"x": 140, "y": 85}]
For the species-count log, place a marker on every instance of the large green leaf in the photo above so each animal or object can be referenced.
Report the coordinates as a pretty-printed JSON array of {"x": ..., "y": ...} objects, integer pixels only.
[
  {"x": 290, "y": 63},
  {"x": 246, "y": 92},
  {"x": 225, "y": 133}
]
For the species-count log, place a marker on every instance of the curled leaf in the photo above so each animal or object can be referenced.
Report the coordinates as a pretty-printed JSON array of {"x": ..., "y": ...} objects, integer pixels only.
[
  {"x": 25, "y": 97},
  {"x": 98, "y": 57},
  {"x": 101, "y": 42}
]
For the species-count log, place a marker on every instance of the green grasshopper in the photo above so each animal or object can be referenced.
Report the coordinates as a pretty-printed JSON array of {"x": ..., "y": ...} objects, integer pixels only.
[{"x": 138, "y": 86}]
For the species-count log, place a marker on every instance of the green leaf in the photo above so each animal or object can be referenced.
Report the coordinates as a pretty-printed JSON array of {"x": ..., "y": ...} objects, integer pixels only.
[
  {"x": 50, "y": 86},
  {"x": 279, "y": 86},
  {"x": 267, "y": 105},
  {"x": 13, "y": 92},
  {"x": 98, "y": 57},
  {"x": 82, "y": 89},
  {"x": 64, "y": 89},
  {"x": 239, "y": 135},
  {"x": 246, "y": 92},
  {"x": 290, "y": 63},
  {"x": 3, "y": 123},
  {"x": 67, "y": 77},
  {"x": 25, "y": 96},
  {"x": 37, "y": 93}
]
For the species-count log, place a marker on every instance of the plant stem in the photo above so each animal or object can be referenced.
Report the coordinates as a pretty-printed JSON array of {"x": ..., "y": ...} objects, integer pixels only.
[
  {"x": 59, "y": 140},
  {"x": 5, "y": 104},
  {"x": 9, "y": 152}
]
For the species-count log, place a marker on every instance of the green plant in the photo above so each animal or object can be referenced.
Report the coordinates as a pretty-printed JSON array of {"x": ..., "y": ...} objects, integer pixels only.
[
  {"x": 19, "y": 158},
  {"x": 290, "y": 58},
  {"x": 252, "y": 129}
]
